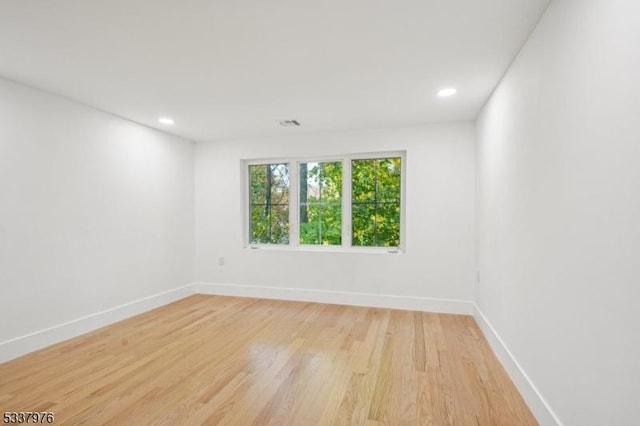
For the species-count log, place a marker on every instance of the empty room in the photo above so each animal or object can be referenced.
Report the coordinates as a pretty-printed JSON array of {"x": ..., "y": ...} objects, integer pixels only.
[{"x": 408, "y": 212}]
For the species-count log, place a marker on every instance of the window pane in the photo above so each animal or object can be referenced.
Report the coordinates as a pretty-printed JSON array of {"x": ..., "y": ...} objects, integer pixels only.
[
  {"x": 388, "y": 179},
  {"x": 269, "y": 204},
  {"x": 363, "y": 180},
  {"x": 363, "y": 224},
  {"x": 258, "y": 183},
  {"x": 388, "y": 225},
  {"x": 279, "y": 184},
  {"x": 280, "y": 224},
  {"x": 321, "y": 203},
  {"x": 375, "y": 206},
  {"x": 259, "y": 224}
]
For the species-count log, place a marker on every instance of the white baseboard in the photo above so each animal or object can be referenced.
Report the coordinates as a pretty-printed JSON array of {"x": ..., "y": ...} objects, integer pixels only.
[
  {"x": 339, "y": 297},
  {"x": 538, "y": 406},
  {"x": 23, "y": 345}
]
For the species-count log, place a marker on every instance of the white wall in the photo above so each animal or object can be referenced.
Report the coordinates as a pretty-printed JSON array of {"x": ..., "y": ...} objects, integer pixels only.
[
  {"x": 558, "y": 206},
  {"x": 439, "y": 261},
  {"x": 95, "y": 211}
]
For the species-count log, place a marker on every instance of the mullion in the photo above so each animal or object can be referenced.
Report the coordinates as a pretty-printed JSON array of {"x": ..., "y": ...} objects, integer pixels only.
[
  {"x": 375, "y": 192},
  {"x": 320, "y": 203}
]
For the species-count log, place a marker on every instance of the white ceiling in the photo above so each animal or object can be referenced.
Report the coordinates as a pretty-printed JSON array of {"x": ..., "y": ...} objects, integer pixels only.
[{"x": 233, "y": 68}]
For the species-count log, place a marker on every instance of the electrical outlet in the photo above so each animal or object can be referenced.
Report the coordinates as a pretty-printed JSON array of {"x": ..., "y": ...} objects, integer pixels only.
[{"x": 221, "y": 261}]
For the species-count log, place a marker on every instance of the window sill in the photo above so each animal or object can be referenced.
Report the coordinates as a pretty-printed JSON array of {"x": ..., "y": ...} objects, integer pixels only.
[{"x": 325, "y": 249}]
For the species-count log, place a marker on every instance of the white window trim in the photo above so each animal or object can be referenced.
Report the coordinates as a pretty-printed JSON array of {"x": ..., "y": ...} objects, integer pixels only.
[{"x": 294, "y": 210}]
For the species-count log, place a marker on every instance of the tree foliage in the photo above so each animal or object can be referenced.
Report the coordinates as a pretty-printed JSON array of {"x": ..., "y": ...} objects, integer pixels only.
[
  {"x": 321, "y": 203},
  {"x": 375, "y": 203},
  {"x": 269, "y": 204}
]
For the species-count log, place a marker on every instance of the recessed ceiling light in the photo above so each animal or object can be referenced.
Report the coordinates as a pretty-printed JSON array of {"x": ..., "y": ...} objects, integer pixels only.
[
  {"x": 449, "y": 91},
  {"x": 166, "y": 120}
]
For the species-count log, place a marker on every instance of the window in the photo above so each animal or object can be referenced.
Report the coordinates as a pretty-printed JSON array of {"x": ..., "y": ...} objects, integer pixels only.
[
  {"x": 269, "y": 204},
  {"x": 375, "y": 202},
  {"x": 320, "y": 203},
  {"x": 352, "y": 201}
]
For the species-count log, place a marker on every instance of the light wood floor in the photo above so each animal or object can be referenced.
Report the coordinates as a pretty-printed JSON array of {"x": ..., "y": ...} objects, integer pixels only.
[{"x": 235, "y": 361}]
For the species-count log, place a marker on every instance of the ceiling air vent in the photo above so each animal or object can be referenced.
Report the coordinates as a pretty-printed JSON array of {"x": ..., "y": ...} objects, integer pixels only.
[{"x": 289, "y": 123}]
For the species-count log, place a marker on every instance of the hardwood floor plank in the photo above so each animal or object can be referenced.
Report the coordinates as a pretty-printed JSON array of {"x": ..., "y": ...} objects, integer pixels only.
[
  {"x": 420, "y": 347},
  {"x": 229, "y": 361}
]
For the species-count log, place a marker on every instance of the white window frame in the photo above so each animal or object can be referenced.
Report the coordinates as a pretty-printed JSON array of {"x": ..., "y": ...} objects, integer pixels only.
[{"x": 294, "y": 208}]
